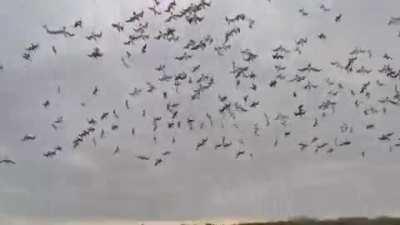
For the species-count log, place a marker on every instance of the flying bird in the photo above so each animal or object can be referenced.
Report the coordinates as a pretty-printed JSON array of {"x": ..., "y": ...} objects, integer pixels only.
[
  {"x": 28, "y": 137},
  {"x": 7, "y": 161}
]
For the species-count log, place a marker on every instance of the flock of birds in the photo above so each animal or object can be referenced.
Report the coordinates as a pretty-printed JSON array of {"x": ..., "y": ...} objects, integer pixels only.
[{"x": 245, "y": 79}]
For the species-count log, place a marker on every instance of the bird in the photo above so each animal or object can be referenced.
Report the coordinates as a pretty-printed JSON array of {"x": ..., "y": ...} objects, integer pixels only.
[
  {"x": 62, "y": 31},
  {"x": 166, "y": 153},
  {"x": 104, "y": 115},
  {"x": 27, "y": 56},
  {"x": 78, "y": 23},
  {"x": 387, "y": 57},
  {"x": 144, "y": 48},
  {"x": 46, "y": 104},
  {"x": 96, "y": 53},
  {"x": 127, "y": 104},
  {"x": 321, "y": 36},
  {"x": 115, "y": 114},
  {"x": 154, "y": 10},
  {"x": 53, "y": 48},
  {"x": 394, "y": 21},
  {"x": 239, "y": 153},
  {"x": 309, "y": 68},
  {"x": 50, "y": 154},
  {"x": 32, "y": 47},
  {"x": 114, "y": 127},
  {"x": 158, "y": 162},
  {"x": 143, "y": 157},
  {"x": 303, "y": 12},
  {"x": 29, "y": 137},
  {"x": 95, "y": 91},
  {"x": 386, "y": 136},
  {"x": 338, "y": 18},
  {"x": 118, "y": 26},
  {"x": 300, "y": 111},
  {"x": 303, "y": 146},
  {"x": 7, "y": 161},
  {"x": 117, "y": 150}
]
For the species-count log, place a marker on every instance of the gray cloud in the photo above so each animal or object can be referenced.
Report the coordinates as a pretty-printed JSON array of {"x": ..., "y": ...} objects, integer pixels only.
[{"x": 89, "y": 184}]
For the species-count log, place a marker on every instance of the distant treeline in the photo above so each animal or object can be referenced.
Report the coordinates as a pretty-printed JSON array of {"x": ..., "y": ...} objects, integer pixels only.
[{"x": 340, "y": 221}]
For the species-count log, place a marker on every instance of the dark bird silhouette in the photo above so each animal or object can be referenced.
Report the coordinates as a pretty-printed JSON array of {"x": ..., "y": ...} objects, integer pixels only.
[
  {"x": 118, "y": 26},
  {"x": 78, "y": 23},
  {"x": 273, "y": 83},
  {"x": 386, "y": 137},
  {"x": 92, "y": 121},
  {"x": 58, "y": 148},
  {"x": 104, "y": 115},
  {"x": 303, "y": 12},
  {"x": 309, "y": 68},
  {"x": 117, "y": 150},
  {"x": 32, "y": 47},
  {"x": 248, "y": 56},
  {"x": 143, "y": 157},
  {"x": 27, "y": 56},
  {"x": 322, "y": 36},
  {"x": 95, "y": 91},
  {"x": 53, "y": 48},
  {"x": 7, "y": 161},
  {"x": 239, "y": 153},
  {"x": 46, "y": 104},
  {"x": 158, "y": 162},
  {"x": 127, "y": 105},
  {"x": 350, "y": 63},
  {"x": 96, "y": 53},
  {"x": 370, "y": 126},
  {"x": 154, "y": 10},
  {"x": 338, "y": 18},
  {"x": 102, "y": 133},
  {"x": 184, "y": 57},
  {"x": 254, "y": 104},
  {"x": 135, "y": 16},
  {"x": 166, "y": 153},
  {"x": 300, "y": 111},
  {"x": 62, "y": 31},
  {"x": 394, "y": 21},
  {"x": 315, "y": 124},
  {"x": 230, "y": 33},
  {"x": 144, "y": 48},
  {"x": 50, "y": 154},
  {"x": 115, "y": 114},
  {"x": 387, "y": 57},
  {"x": 114, "y": 127},
  {"x": 303, "y": 146}
]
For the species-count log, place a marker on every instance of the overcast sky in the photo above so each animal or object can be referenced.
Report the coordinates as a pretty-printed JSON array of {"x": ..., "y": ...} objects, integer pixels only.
[{"x": 90, "y": 185}]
